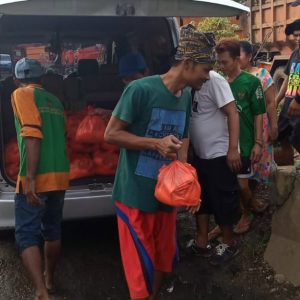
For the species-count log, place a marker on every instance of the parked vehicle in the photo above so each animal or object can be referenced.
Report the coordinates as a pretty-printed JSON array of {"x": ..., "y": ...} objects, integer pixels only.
[
  {"x": 267, "y": 24},
  {"x": 64, "y": 32},
  {"x": 5, "y": 65}
]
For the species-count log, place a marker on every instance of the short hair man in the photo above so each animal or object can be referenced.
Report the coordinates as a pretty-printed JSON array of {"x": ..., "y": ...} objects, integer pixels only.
[
  {"x": 249, "y": 97},
  {"x": 150, "y": 124},
  {"x": 43, "y": 175},
  {"x": 289, "y": 118},
  {"x": 132, "y": 66},
  {"x": 214, "y": 134}
]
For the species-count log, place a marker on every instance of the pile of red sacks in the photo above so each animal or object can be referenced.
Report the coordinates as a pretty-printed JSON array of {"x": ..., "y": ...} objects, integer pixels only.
[
  {"x": 87, "y": 152},
  {"x": 12, "y": 159}
]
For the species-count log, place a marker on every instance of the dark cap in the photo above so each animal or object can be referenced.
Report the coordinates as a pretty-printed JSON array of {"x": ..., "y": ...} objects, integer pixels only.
[
  {"x": 290, "y": 28},
  {"x": 27, "y": 68},
  {"x": 131, "y": 64},
  {"x": 296, "y": 3},
  {"x": 195, "y": 45}
]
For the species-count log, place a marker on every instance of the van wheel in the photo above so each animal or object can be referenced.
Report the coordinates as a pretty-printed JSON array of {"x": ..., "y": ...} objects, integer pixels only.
[{"x": 278, "y": 78}]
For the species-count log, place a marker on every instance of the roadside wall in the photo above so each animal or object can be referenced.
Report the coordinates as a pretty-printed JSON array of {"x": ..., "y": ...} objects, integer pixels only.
[{"x": 283, "y": 250}]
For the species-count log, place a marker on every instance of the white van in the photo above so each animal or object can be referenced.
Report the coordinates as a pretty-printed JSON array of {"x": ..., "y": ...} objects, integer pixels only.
[{"x": 81, "y": 42}]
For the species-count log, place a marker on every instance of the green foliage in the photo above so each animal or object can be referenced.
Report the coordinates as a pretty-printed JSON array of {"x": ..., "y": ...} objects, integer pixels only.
[{"x": 221, "y": 27}]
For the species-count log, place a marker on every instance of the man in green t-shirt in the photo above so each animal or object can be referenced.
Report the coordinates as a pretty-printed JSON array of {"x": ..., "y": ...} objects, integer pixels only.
[
  {"x": 150, "y": 124},
  {"x": 43, "y": 176},
  {"x": 250, "y": 101}
]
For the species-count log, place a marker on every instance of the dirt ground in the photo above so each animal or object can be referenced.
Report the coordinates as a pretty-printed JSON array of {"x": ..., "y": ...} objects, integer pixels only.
[{"x": 90, "y": 268}]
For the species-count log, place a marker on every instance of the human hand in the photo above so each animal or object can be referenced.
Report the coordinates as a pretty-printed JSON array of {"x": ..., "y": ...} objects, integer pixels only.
[
  {"x": 193, "y": 209},
  {"x": 31, "y": 196},
  {"x": 168, "y": 146},
  {"x": 234, "y": 160},
  {"x": 294, "y": 109},
  {"x": 256, "y": 153}
]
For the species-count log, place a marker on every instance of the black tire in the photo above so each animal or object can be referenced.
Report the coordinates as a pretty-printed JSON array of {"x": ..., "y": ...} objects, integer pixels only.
[{"x": 278, "y": 78}]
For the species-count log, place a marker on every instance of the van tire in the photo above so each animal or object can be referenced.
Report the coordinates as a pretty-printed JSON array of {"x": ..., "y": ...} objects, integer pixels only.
[{"x": 278, "y": 78}]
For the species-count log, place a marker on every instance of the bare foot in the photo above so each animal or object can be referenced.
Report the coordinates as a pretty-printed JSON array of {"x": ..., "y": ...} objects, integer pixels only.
[
  {"x": 43, "y": 295},
  {"x": 49, "y": 282}
]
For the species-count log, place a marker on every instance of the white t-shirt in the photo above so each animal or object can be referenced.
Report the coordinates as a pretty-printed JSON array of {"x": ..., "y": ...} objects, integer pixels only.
[{"x": 209, "y": 130}]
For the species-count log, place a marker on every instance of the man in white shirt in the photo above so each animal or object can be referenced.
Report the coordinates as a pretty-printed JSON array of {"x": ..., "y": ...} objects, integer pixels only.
[{"x": 214, "y": 133}]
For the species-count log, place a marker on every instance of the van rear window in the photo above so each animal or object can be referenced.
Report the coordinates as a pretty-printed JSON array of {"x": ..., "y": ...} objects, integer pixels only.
[{"x": 64, "y": 64}]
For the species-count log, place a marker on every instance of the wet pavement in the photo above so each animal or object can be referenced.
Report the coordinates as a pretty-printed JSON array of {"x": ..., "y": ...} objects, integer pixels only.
[{"x": 91, "y": 269}]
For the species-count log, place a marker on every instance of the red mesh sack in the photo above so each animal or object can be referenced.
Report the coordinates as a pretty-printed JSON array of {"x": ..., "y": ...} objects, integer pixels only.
[
  {"x": 11, "y": 152},
  {"x": 12, "y": 171},
  {"x": 81, "y": 166},
  {"x": 12, "y": 159},
  {"x": 178, "y": 185},
  {"x": 110, "y": 147},
  {"x": 105, "y": 163},
  {"x": 91, "y": 130}
]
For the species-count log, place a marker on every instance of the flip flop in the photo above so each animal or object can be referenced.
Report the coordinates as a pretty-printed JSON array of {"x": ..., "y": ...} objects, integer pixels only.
[{"x": 241, "y": 228}]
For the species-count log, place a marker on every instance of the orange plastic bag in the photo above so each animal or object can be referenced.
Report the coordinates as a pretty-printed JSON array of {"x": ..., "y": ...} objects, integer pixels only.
[
  {"x": 178, "y": 185},
  {"x": 91, "y": 130}
]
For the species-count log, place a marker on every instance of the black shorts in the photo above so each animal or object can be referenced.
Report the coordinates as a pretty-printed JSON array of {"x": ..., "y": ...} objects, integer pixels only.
[
  {"x": 288, "y": 128},
  {"x": 219, "y": 190},
  {"x": 247, "y": 168}
]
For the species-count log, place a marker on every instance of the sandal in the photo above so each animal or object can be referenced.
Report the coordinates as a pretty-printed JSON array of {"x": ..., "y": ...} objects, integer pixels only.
[
  {"x": 214, "y": 233},
  {"x": 243, "y": 225}
]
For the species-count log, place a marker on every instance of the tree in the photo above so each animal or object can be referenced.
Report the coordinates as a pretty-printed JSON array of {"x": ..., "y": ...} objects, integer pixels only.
[{"x": 221, "y": 27}]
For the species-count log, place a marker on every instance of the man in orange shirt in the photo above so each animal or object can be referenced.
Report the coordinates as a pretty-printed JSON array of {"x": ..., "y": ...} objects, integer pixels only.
[{"x": 43, "y": 175}]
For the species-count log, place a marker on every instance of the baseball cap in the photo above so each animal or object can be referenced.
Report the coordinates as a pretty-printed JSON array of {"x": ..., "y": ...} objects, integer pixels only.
[
  {"x": 290, "y": 28},
  {"x": 195, "y": 45},
  {"x": 131, "y": 64},
  {"x": 296, "y": 3},
  {"x": 27, "y": 68}
]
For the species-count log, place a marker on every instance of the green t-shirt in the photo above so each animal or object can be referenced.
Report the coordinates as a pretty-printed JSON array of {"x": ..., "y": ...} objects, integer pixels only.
[
  {"x": 39, "y": 114},
  {"x": 152, "y": 111},
  {"x": 250, "y": 100}
]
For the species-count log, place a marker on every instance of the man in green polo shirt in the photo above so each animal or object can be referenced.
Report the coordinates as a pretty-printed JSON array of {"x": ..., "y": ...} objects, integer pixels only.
[{"x": 250, "y": 101}]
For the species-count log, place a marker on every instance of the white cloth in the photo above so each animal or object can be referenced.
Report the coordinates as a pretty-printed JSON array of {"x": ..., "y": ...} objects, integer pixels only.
[{"x": 209, "y": 130}]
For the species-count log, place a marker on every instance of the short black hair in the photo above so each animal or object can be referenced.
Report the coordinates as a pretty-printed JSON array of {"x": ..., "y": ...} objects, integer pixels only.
[
  {"x": 246, "y": 47},
  {"x": 290, "y": 28}
]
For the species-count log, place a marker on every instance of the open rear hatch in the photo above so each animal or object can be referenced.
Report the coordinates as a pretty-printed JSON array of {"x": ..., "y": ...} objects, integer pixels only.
[
  {"x": 81, "y": 57},
  {"x": 149, "y": 8}
]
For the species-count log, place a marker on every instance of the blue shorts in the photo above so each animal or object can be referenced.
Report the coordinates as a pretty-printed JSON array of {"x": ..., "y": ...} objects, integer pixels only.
[{"x": 36, "y": 223}]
